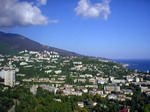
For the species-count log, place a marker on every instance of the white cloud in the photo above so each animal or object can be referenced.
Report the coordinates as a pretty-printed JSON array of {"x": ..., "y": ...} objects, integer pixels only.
[
  {"x": 42, "y": 2},
  {"x": 17, "y": 13},
  {"x": 86, "y": 9}
]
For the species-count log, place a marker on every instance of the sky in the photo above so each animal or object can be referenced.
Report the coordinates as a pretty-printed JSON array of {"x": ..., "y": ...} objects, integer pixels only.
[{"x": 115, "y": 29}]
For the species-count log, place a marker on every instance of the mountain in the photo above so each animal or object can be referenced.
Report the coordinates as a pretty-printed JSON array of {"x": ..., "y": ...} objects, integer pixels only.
[{"x": 13, "y": 43}]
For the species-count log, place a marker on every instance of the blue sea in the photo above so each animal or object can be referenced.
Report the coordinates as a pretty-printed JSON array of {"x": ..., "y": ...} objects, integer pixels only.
[{"x": 136, "y": 64}]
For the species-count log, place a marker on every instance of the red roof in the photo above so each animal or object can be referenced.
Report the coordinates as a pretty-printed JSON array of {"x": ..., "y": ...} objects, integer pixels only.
[{"x": 124, "y": 110}]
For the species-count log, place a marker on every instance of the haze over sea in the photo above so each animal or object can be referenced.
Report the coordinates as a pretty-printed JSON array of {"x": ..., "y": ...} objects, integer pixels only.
[{"x": 137, "y": 64}]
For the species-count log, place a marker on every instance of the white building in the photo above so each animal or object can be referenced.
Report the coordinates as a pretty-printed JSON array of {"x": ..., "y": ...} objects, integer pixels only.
[
  {"x": 8, "y": 76},
  {"x": 137, "y": 79},
  {"x": 117, "y": 81},
  {"x": 23, "y": 63},
  {"x": 127, "y": 91},
  {"x": 112, "y": 87},
  {"x": 101, "y": 81},
  {"x": 49, "y": 88},
  {"x": 33, "y": 89},
  {"x": 80, "y": 104},
  {"x": 112, "y": 96},
  {"x": 58, "y": 71}
]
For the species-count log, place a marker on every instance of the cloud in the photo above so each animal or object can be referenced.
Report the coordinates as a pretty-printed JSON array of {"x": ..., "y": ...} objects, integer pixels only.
[
  {"x": 42, "y": 2},
  {"x": 86, "y": 9},
  {"x": 17, "y": 13}
]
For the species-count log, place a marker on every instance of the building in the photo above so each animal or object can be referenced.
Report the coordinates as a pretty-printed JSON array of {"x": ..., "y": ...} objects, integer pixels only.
[
  {"x": 80, "y": 104},
  {"x": 8, "y": 76},
  {"x": 124, "y": 110},
  {"x": 127, "y": 91},
  {"x": 58, "y": 71},
  {"x": 112, "y": 87},
  {"x": 101, "y": 81},
  {"x": 137, "y": 79},
  {"x": 118, "y": 81},
  {"x": 112, "y": 97},
  {"x": 49, "y": 88},
  {"x": 33, "y": 89}
]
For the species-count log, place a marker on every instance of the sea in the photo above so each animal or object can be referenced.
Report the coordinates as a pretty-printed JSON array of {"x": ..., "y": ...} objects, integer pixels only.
[{"x": 142, "y": 65}]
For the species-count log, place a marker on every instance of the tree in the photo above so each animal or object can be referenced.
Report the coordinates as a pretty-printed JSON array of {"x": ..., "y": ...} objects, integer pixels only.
[{"x": 147, "y": 108}]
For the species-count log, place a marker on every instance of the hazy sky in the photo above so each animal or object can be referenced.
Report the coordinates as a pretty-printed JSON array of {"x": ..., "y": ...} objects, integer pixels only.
[{"x": 105, "y": 28}]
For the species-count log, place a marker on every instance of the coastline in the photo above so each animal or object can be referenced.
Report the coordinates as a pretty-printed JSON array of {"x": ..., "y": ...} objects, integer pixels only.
[{"x": 142, "y": 65}]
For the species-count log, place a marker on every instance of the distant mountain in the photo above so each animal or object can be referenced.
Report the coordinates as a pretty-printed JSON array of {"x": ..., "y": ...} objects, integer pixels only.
[{"x": 13, "y": 43}]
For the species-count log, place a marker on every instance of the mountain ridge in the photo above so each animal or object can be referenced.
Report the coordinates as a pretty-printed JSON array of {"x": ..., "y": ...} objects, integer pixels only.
[{"x": 12, "y": 43}]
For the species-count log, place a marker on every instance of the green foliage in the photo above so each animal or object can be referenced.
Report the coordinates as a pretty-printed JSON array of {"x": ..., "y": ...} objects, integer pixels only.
[
  {"x": 147, "y": 108},
  {"x": 5, "y": 49},
  {"x": 44, "y": 101},
  {"x": 5, "y": 103},
  {"x": 6, "y": 100}
]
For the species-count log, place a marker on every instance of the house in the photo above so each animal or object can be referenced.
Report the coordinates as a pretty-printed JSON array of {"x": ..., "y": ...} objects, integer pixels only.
[
  {"x": 49, "y": 88},
  {"x": 130, "y": 79},
  {"x": 33, "y": 89},
  {"x": 77, "y": 63},
  {"x": 93, "y": 92},
  {"x": 103, "y": 95},
  {"x": 91, "y": 86},
  {"x": 92, "y": 80},
  {"x": 127, "y": 91},
  {"x": 82, "y": 76},
  {"x": 88, "y": 75},
  {"x": 100, "y": 92},
  {"x": 57, "y": 100},
  {"x": 94, "y": 103},
  {"x": 61, "y": 78},
  {"x": 124, "y": 110},
  {"x": 26, "y": 80},
  {"x": 112, "y": 87},
  {"x": 118, "y": 81},
  {"x": 84, "y": 90},
  {"x": 82, "y": 80},
  {"x": 101, "y": 81},
  {"x": 43, "y": 79},
  {"x": 23, "y": 63},
  {"x": 121, "y": 97},
  {"x": 48, "y": 71},
  {"x": 58, "y": 71},
  {"x": 112, "y": 97},
  {"x": 80, "y": 104},
  {"x": 21, "y": 75},
  {"x": 137, "y": 79}
]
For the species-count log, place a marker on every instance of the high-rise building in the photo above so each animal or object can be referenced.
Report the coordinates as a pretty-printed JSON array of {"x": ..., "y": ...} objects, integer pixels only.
[{"x": 8, "y": 76}]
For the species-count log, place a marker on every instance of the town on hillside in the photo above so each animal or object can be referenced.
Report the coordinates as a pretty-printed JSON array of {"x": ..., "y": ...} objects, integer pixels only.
[{"x": 94, "y": 83}]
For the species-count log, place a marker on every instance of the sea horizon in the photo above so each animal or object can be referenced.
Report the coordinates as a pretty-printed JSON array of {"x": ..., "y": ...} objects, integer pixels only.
[{"x": 142, "y": 65}]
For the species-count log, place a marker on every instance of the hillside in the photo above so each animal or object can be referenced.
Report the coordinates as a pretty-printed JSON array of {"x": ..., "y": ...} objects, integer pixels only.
[{"x": 12, "y": 43}]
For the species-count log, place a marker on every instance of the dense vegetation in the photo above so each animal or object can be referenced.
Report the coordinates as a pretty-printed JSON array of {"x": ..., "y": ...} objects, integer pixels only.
[
  {"x": 44, "y": 101},
  {"x": 93, "y": 67},
  {"x": 6, "y": 100}
]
